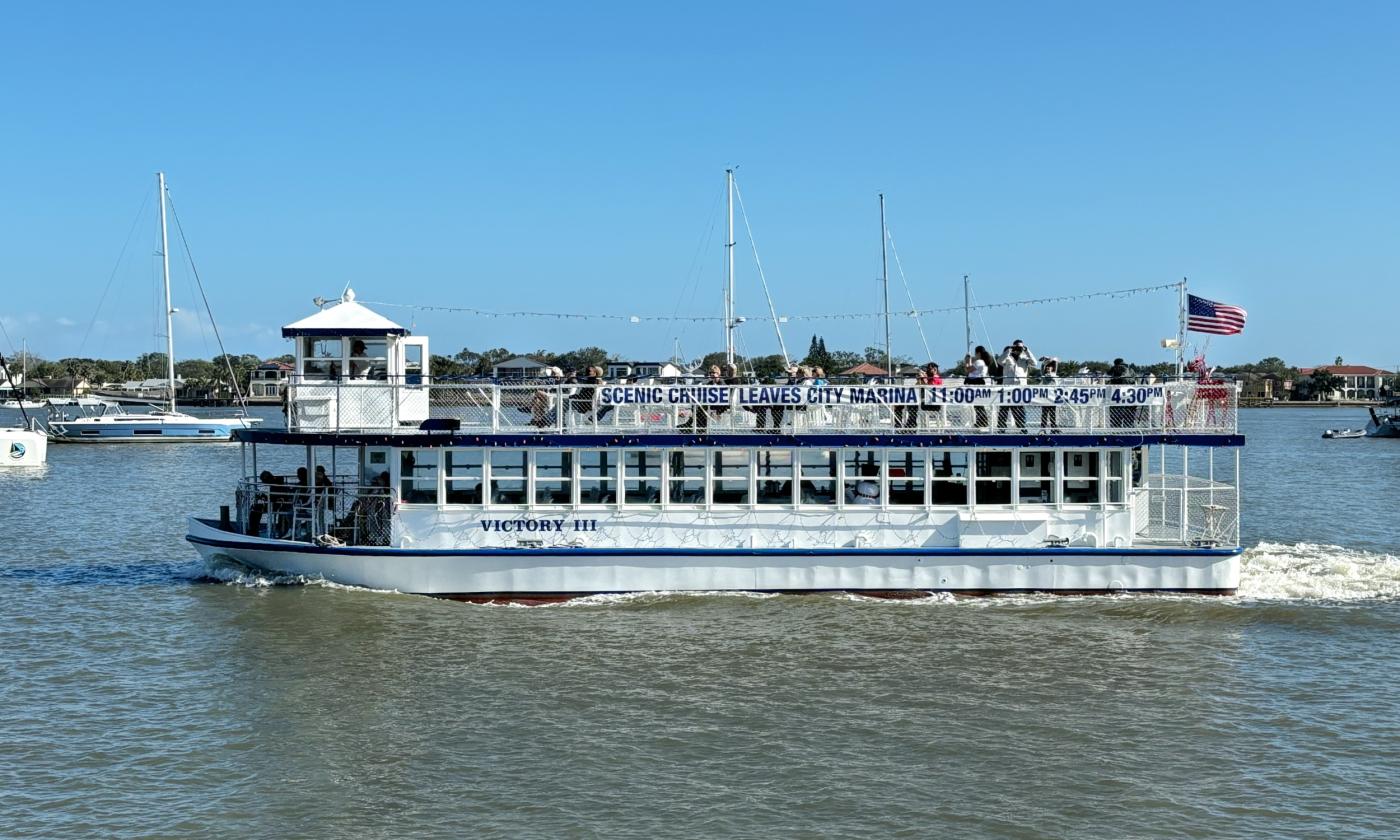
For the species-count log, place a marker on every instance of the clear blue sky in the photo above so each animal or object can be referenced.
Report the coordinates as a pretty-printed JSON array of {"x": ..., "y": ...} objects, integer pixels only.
[{"x": 570, "y": 158}]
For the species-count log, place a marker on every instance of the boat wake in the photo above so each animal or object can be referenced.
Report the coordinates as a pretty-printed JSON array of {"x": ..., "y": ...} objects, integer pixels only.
[
  {"x": 1269, "y": 572},
  {"x": 234, "y": 575},
  {"x": 1313, "y": 572}
]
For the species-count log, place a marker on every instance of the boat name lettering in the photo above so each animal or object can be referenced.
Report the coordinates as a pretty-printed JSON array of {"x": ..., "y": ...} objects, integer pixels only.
[{"x": 538, "y": 525}]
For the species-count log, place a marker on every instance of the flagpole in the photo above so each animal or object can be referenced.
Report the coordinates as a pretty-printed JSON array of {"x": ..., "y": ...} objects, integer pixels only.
[{"x": 1181, "y": 332}]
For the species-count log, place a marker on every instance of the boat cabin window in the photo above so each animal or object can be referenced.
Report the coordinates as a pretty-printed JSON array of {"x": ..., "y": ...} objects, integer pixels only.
[
  {"x": 508, "y": 476},
  {"x": 687, "y": 477},
  {"x": 993, "y": 478},
  {"x": 369, "y": 358},
  {"x": 948, "y": 477},
  {"x": 321, "y": 357},
  {"x": 860, "y": 474},
  {"x": 1036, "y": 484},
  {"x": 418, "y": 476},
  {"x": 731, "y": 477},
  {"x": 554, "y": 477},
  {"x": 905, "y": 477},
  {"x": 597, "y": 483},
  {"x": 641, "y": 474},
  {"x": 774, "y": 468},
  {"x": 1080, "y": 478},
  {"x": 412, "y": 363},
  {"x": 464, "y": 472},
  {"x": 819, "y": 476},
  {"x": 1115, "y": 478}
]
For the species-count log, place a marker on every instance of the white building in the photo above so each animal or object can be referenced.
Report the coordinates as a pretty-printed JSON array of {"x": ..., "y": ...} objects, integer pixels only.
[
  {"x": 643, "y": 370},
  {"x": 520, "y": 367},
  {"x": 267, "y": 381},
  {"x": 1358, "y": 382}
]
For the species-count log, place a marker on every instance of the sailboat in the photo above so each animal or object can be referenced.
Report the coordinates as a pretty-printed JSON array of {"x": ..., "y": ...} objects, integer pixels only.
[{"x": 168, "y": 424}]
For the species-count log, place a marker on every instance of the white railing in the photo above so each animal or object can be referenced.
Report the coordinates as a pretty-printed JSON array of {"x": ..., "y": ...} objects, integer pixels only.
[
  {"x": 1069, "y": 408},
  {"x": 339, "y": 512},
  {"x": 1182, "y": 510}
]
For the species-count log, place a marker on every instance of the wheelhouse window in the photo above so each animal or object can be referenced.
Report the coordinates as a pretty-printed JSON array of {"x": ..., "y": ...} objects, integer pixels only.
[
  {"x": 1036, "y": 484},
  {"x": 418, "y": 476},
  {"x": 554, "y": 477},
  {"x": 321, "y": 357},
  {"x": 773, "y": 468},
  {"x": 369, "y": 358},
  {"x": 1116, "y": 477},
  {"x": 641, "y": 475},
  {"x": 597, "y": 481},
  {"x": 1080, "y": 478},
  {"x": 509, "y": 474},
  {"x": 905, "y": 477},
  {"x": 993, "y": 478},
  {"x": 860, "y": 474},
  {"x": 948, "y": 477},
  {"x": 687, "y": 477},
  {"x": 463, "y": 470},
  {"x": 731, "y": 477}
]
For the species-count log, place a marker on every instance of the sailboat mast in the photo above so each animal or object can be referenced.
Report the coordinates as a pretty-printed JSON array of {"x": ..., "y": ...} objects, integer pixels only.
[
  {"x": 885, "y": 280},
  {"x": 729, "y": 269},
  {"x": 169, "y": 310},
  {"x": 967, "y": 315}
]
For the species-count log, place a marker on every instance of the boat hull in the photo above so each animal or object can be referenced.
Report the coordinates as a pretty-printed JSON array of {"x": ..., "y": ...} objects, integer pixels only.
[
  {"x": 554, "y": 573},
  {"x": 119, "y": 431},
  {"x": 22, "y": 448}
]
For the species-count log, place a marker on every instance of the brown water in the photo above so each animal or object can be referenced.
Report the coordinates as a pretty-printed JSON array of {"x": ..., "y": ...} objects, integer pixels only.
[{"x": 143, "y": 695}]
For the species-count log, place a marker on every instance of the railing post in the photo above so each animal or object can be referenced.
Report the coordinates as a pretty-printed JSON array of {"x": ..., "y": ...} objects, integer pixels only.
[{"x": 495, "y": 407}]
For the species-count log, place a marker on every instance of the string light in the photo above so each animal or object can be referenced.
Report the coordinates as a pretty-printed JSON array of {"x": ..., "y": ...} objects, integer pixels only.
[{"x": 843, "y": 316}]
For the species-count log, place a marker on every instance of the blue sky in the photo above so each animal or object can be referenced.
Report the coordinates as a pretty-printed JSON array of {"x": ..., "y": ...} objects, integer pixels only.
[{"x": 570, "y": 158}]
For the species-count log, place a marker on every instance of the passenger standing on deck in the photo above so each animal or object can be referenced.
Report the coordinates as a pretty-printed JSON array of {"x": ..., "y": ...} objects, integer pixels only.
[
  {"x": 1121, "y": 417},
  {"x": 979, "y": 367},
  {"x": 1016, "y": 363},
  {"x": 1049, "y": 375},
  {"x": 906, "y": 415},
  {"x": 932, "y": 377},
  {"x": 699, "y": 412}
]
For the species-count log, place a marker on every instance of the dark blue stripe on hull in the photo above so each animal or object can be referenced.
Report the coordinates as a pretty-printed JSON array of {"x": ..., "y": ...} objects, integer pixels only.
[{"x": 860, "y": 441}]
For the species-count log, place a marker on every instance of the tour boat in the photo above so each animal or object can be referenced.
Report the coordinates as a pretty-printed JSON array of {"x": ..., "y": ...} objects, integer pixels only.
[
  {"x": 541, "y": 491},
  {"x": 167, "y": 425}
]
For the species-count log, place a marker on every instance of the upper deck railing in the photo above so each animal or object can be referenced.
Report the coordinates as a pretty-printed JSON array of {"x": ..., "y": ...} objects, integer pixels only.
[{"x": 1065, "y": 407}]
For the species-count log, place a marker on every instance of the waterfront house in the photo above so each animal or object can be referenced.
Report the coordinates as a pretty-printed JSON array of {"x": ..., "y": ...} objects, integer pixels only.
[
  {"x": 1357, "y": 382},
  {"x": 520, "y": 367},
  {"x": 643, "y": 370},
  {"x": 267, "y": 382}
]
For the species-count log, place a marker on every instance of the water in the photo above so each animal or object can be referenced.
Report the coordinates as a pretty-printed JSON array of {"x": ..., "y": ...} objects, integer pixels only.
[{"x": 139, "y": 696}]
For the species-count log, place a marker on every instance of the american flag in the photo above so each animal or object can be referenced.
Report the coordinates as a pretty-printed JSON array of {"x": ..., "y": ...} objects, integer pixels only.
[{"x": 1207, "y": 316}]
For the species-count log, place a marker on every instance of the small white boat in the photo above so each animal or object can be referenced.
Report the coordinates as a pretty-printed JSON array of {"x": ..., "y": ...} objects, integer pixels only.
[
  {"x": 1344, "y": 433},
  {"x": 23, "y": 447},
  {"x": 1386, "y": 422}
]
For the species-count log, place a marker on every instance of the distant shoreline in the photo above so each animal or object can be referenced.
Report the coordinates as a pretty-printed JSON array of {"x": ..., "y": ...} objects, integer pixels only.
[{"x": 1311, "y": 404}]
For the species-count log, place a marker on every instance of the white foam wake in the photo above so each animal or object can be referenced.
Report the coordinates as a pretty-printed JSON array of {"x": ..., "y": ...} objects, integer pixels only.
[
  {"x": 1308, "y": 571},
  {"x": 256, "y": 579}
]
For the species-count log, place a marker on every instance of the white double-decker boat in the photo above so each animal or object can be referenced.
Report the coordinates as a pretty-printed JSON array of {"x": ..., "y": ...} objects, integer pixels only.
[{"x": 546, "y": 491}]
